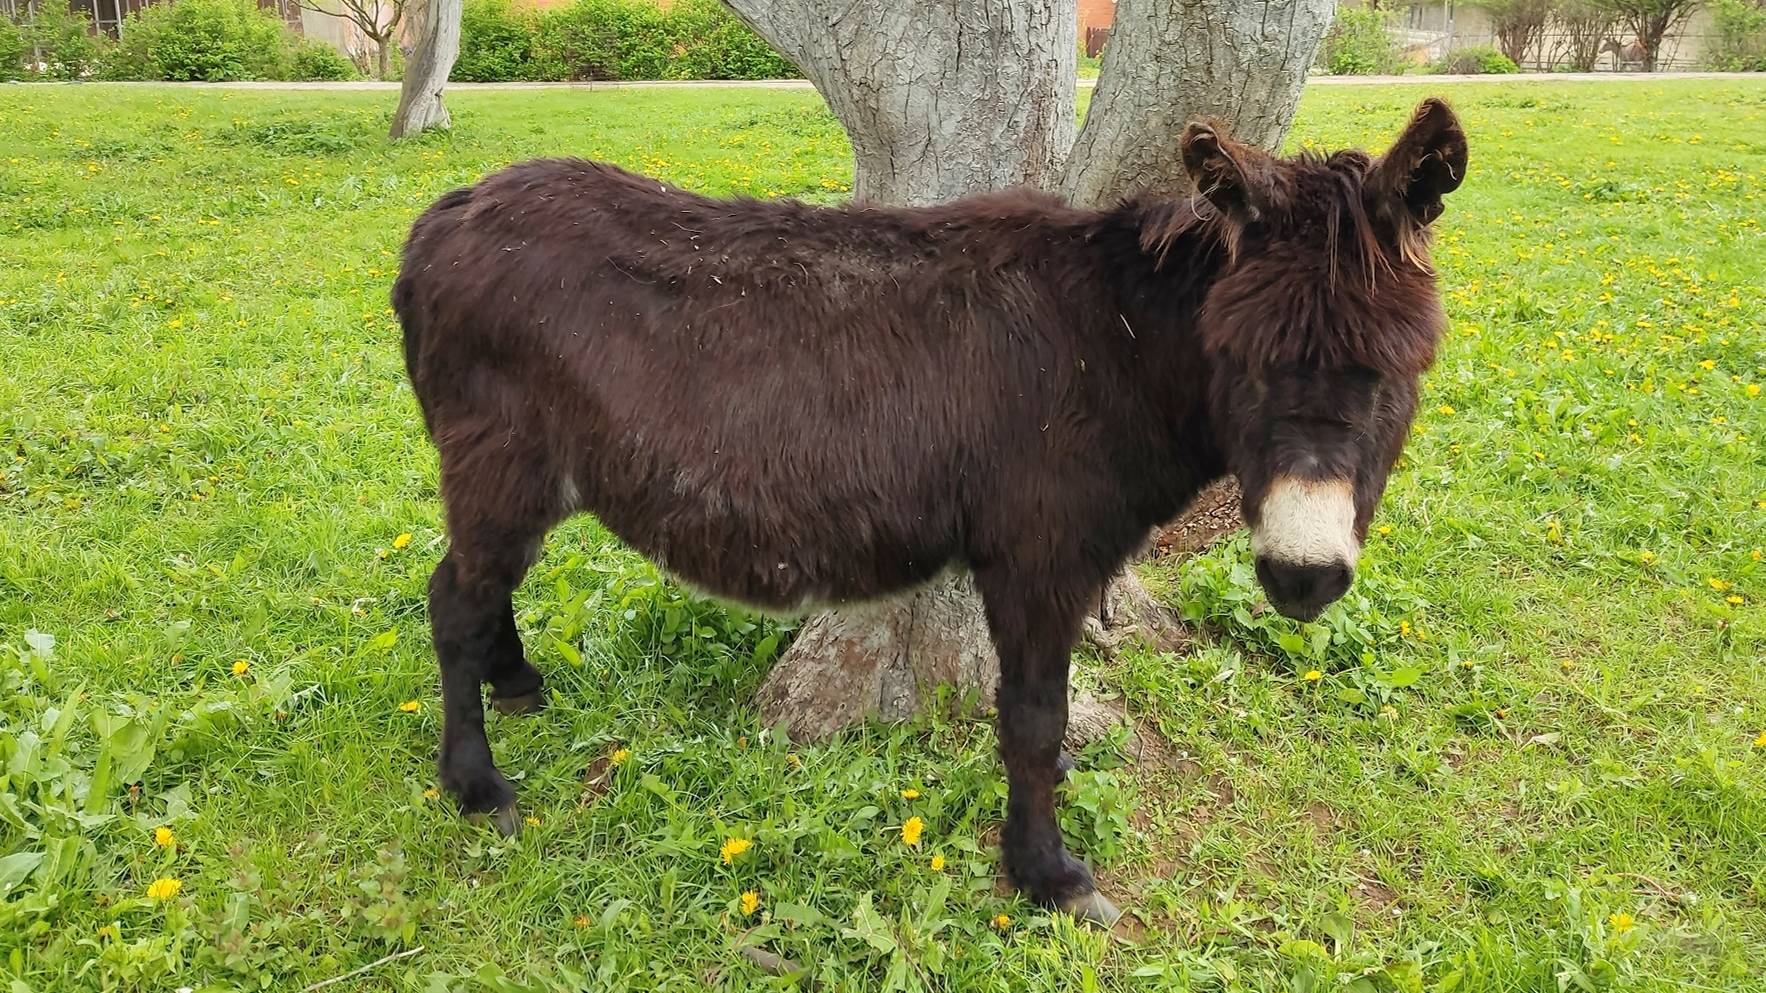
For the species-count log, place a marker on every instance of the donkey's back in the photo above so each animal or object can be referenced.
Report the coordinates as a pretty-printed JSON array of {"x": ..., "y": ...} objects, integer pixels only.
[{"x": 781, "y": 403}]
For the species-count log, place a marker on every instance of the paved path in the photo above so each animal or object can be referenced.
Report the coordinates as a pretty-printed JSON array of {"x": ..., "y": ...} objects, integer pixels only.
[{"x": 802, "y": 84}]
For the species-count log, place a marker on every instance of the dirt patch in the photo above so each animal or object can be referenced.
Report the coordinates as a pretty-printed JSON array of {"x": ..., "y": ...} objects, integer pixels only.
[
  {"x": 1375, "y": 895},
  {"x": 1213, "y": 513},
  {"x": 1322, "y": 818}
]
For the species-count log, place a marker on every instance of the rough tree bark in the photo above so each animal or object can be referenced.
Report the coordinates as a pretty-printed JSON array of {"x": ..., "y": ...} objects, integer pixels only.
[
  {"x": 435, "y": 44},
  {"x": 942, "y": 99}
]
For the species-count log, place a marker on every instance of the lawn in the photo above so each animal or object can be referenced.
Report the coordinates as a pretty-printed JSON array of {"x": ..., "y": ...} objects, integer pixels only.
[{"x": 1527, "y": 753}]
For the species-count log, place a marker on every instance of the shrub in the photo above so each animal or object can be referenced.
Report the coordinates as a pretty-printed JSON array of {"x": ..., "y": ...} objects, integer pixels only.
[
  {"x": 318, "y": 61},
  {"x": 603, "y": 39},
  {"x": 711, "y": 43},
  {"x": 1360, "y": 43},
  {"x": 1481, "y": 60},
  {"x": 496, "y": 44},
  {"x": 63, "y": 41},
  {"x": 202, "y": 40},
  {"x": 1741, "y": 36},
  {"x": 13, "y": 49},
  {"x": 612, "y": 39}
]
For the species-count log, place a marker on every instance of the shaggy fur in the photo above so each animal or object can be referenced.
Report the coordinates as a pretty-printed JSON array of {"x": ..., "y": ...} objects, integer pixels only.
[{"x": 787, "y": 405}]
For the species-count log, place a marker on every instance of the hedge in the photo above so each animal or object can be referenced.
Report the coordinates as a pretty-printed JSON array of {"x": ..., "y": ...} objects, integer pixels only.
[{"x": 611, "y": 40}]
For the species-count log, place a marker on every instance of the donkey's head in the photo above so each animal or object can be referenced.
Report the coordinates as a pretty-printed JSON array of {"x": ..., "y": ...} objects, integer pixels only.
[{"x": 1316, "y": 331}]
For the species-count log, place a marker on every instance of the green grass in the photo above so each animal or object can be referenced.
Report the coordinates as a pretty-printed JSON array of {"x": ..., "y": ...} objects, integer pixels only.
[{"x": 1527, "y": 762}]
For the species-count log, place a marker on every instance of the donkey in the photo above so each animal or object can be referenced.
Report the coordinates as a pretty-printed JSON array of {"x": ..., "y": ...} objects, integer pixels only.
[
  {"x": 789, "y": 406},
  {"x": 1627, "y": 57}
]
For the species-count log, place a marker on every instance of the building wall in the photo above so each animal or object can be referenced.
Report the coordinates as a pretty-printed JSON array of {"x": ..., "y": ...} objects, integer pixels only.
[{"x": 1096, "y": 14}]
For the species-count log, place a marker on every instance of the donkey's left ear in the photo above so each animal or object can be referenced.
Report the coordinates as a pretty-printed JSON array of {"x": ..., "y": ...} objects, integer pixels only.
[
  {"x": 1226, "y": 174},
  {"x": 1427, "y": 162}
]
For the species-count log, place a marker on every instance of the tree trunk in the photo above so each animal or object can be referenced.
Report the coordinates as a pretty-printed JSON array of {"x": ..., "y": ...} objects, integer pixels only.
[
  {"x": 942, "y": 99},
  {"x": 939, "y": 99},
  {"x": 382, "y": 53},
  {"x": 435, "y": 44},
  {"x": 1240, "y": 62}
]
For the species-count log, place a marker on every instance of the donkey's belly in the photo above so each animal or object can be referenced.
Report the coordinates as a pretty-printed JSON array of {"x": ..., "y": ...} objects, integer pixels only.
[{"x": 790, "y": 563}]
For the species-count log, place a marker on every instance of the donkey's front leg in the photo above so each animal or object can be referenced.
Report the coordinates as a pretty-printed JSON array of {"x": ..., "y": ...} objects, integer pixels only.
[{"x": 1033, "y": 632}]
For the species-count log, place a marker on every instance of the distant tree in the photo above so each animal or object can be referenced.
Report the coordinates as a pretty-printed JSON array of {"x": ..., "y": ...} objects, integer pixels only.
[
  {"x": 435, "y": 44},
  {"x": 1581, "y": 29},
  {"x": 1519, "y": 25},
  {"x": 378, "y": 20},
  {"x": 1650, "y": 22}
]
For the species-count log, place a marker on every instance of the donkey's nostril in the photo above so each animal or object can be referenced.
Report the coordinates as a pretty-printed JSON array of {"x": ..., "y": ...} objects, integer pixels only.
[{"x": 1302, "y": 591}]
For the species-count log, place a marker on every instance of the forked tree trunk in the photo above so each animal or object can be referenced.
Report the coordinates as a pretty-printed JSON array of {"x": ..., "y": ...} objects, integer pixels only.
[
  {"x": 435, "y": 44},
  {"x": 942, "y": 99}
]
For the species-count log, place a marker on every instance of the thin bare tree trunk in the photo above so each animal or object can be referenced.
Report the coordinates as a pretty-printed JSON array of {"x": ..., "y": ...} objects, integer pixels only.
[
  {"x": 942, "y": 99},
  {"x": 435, "y": 44}
]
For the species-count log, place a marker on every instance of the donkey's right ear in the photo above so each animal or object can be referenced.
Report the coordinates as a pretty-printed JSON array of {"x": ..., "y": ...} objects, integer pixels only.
[{"x": 1222, "y": 172}]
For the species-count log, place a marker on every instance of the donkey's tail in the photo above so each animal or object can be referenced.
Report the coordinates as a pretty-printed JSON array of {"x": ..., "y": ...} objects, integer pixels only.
[{"x": 411, "y": 313}]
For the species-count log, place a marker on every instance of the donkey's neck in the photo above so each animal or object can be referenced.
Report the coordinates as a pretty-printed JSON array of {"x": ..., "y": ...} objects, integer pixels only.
[{"x": 1161, "y": 259}]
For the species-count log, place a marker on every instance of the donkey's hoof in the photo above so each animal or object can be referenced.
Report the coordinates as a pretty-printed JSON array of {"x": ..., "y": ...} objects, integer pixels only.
[
  {"x": 1093, "y": 908},
  {"x": 526, "y": 703},
  {"x": 506, "y": 819},
  {"x": 1063, "y": 765}
]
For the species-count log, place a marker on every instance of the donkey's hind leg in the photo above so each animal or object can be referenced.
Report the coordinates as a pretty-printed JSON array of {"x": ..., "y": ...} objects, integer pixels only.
[
  {"x": 496, "y": 520},
  {"x": 473, "y": 625}
]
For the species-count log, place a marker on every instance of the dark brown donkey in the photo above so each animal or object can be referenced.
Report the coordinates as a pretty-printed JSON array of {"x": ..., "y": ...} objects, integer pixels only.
[{"x": 791, "y": 406}]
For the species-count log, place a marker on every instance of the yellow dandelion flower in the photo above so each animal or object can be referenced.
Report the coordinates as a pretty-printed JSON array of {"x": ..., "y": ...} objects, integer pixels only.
[
  {"x": 1444, "y": 409},
  {"x": 1404, "y": 629},
  {"x": 580, "y": 922},
  {"x": 402, "y": 541},
  {"x": 1755, "y": 555},
  {"x": 733, "y": 847},
  {"x": 1719, "y": 584},
  {"x": 1708, "y": 364},
  {"x": 164, "y": 838},
  {"x": 910, "y": 794},
  {"x": 1313, "y": 676},
  {"x": 1760, "y": 742},
  {"x": 431, "y": 793},
  {"x": 1753, "y": 389},
  {"x": 793, "y": 761},
  {"x": 164, "y": 889},
  {"x": 938, "y": 860},
  {"x": 410, "y": 706},
  {"x": 532, "y": 821},
  {"x": 1001, "y": 921},
  {"x": 1622, "y": 922},
  {"x": 1734, "y": 600},
  {"x": 1646, "y": 556},
  {"x": 750, "y": 901},
  {"x": 241, "y": 667},
  {"x": 911, "y": 831},
  {"x": 1501, "y": 712},
  {"x": 620, "y": 756}
]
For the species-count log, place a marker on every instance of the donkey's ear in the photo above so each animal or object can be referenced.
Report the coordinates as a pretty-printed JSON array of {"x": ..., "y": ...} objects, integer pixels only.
[
  {"x": 1427, "y": 162},
  {"x": 1221, "y": 171}
]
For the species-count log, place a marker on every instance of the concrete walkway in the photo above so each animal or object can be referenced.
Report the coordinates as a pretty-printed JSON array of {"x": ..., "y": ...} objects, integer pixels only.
[{"x": 803, "y": 84}]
